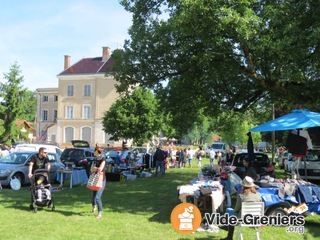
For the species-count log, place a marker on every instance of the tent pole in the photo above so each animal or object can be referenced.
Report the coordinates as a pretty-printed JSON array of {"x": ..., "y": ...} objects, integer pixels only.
[{"x": 273, "y": 138}]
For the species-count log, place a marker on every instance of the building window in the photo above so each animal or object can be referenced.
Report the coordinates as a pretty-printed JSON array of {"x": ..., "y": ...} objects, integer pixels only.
[
  {"x": 70, "y": 90},
  {"x": 55, "y": 115},
  {"x": 55, "y": 98},
  {"x": 86, "y": 112},
  {"x": 44, "y": 115},
  {"x": 87, "y": 90},
  {"x": 69, "y": 112},
  {"x": 69, "y": 134},
  {"x": 45, "y": 98},
  {"x": 86, "y": 134}
]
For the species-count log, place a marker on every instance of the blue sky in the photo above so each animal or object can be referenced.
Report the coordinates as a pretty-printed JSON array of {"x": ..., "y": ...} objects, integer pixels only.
[{"x": 38, "y": 33}]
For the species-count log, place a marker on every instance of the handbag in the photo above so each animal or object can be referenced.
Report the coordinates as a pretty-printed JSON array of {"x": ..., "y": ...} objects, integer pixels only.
[
  {"x": 205, "y": 190},
  {"x": 95, "y": 181}
]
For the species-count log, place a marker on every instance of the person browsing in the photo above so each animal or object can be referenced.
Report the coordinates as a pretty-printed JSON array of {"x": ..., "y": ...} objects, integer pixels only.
[
  {"x": 99, "y": 165},
  {"x": 159, "y": 156},
  {"x": 248, "y": 194},
  {"x": 250, "y": 171}
]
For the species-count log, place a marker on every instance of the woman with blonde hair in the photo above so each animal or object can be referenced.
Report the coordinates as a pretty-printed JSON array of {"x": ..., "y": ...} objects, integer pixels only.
[{"x": 248, "y": 194}]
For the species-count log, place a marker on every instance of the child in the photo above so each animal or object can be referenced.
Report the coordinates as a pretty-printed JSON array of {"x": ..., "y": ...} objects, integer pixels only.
[{"x": 41, "y": 189}]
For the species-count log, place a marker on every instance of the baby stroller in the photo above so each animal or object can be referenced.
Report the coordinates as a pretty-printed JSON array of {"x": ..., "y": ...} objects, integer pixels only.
[{"x": 40, "y": 190}]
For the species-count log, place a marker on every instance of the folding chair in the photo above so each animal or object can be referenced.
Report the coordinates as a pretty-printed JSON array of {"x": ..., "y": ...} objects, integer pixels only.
[{"x": 255, "y": 209}]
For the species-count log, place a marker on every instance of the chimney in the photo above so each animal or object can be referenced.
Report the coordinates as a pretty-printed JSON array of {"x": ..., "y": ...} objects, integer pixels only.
[
  {"x": 66, "y": 61},
  {"x": 105, "y": 54}
]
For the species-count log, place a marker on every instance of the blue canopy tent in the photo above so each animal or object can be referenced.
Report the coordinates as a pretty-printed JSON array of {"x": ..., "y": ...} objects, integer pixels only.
[{"x": 295, "y": 120}]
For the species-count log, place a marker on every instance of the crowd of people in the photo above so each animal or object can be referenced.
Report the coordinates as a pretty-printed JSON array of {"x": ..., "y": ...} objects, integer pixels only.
[{"x": 182, "y": 156}]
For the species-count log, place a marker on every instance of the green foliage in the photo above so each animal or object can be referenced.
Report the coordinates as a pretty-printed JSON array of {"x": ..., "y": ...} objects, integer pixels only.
[
  {"x": 135, "y": 116},
  {"x": 200, "y": 132},
  {"x": 13, "y": 94},
  {"x": 234, "y": 126},
  {"x": 29, "y": 106},
  {"x": 215, "y": 55}
]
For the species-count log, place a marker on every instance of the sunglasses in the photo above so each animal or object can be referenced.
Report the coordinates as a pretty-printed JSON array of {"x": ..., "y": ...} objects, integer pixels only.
[{"x": 45, "y": 152}]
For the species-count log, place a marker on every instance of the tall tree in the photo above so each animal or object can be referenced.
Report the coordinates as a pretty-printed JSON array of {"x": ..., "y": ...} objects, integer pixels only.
[
  {"x": 223, "y": 54},
  {"x": 29, "y": 106},
  {"x": 13, "y": 94},
  {"x": 135, "y": 116}
]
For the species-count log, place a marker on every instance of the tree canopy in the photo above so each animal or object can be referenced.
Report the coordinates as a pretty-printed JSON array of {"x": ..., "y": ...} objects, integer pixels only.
[
  {"x": 135, "y": 116},
  {"x": 200, "y": 55}
]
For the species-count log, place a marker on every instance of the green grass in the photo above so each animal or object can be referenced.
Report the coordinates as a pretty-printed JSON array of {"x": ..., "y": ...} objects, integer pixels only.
[{"x": 137, "y": 209}]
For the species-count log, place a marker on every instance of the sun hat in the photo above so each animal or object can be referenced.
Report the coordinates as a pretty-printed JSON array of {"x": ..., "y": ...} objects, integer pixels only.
[{"x": 247, "y": 182}]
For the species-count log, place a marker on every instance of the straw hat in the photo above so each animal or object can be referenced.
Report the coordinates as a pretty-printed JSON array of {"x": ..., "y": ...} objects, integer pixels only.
[{"x": 247, "y": 182}]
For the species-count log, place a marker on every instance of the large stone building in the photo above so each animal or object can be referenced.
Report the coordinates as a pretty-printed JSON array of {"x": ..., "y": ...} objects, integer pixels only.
[{"x": 76, "y": 108}]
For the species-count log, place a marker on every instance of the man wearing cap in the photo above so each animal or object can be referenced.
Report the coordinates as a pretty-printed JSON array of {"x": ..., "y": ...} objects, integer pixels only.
[{"x": 248, "y": 194}]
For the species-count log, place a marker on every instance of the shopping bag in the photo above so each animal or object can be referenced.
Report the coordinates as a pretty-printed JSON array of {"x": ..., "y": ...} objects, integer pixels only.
[{"x": 95, "y": 181}]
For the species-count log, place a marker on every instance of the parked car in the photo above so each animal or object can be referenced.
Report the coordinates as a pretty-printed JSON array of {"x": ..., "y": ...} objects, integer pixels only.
[
  {"x": 261, "y": 163},
  {"x": 136, "y": 154},
  {"x": 139, "y": 152},
  {"x": 80, "y": 155},
  {"x": 312, "y": 165},
  {"x": 111, "y": 154},
  {"x": 16, "y": 165},
  {"x": 124, "y": 154},
  {"x": 282, "y": 158},
  {"x": 35, "y": 147}
]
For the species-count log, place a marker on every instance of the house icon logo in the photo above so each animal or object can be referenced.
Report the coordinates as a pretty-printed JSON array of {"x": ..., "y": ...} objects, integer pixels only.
[{"x": 185, "y": 218}]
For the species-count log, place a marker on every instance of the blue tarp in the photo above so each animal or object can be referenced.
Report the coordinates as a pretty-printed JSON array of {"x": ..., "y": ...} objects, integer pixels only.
[{"x": 270, "y": 197}]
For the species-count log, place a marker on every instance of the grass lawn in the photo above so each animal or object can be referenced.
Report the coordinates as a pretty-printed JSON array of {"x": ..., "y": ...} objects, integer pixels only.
[{"x": 137, "y": 209}]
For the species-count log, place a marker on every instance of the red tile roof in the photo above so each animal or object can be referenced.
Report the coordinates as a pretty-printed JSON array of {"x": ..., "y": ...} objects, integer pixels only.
[{"x": 89, "y": 65}]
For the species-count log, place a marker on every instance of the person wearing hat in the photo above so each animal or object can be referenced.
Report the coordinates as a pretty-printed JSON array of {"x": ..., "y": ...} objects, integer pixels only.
[{"x": 248, "y": 194}]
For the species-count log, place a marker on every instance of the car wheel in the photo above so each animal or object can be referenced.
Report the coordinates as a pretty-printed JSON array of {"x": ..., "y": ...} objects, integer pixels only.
[
  {"x": 275, "y": 211},
  {"x": 19, "y": 177}
]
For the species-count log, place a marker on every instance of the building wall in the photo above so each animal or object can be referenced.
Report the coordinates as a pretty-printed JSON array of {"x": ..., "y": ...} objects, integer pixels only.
[
  {"x": 103, "y": 95},
  {"x": 50, "y": 105}
]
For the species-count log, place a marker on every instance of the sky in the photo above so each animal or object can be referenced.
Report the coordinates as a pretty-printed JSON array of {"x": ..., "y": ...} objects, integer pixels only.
[{"x": 38, "y": 33}]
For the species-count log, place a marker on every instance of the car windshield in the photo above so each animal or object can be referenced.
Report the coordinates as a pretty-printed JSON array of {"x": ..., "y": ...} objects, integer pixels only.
[
  {"x": 217, "y": 146},
  {"x": 72, "y": 153},
  {"x": 260, "y": 159},
  {"x": 15, "y": 158}
]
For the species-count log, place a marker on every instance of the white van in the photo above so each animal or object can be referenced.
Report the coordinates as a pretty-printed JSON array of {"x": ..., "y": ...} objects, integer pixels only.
[
  {"x": 220, "y": 146},
  {"x": 35, "y": 147}
]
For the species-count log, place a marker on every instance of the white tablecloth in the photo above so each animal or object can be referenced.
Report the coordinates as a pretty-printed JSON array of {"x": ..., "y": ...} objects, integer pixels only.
[{"x": 217, "y": 196}]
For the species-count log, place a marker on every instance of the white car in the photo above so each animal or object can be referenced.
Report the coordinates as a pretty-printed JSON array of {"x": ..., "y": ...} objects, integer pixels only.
[
  {"x": 35, "y": 147},
  {"x": 312, "y": 166}
]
